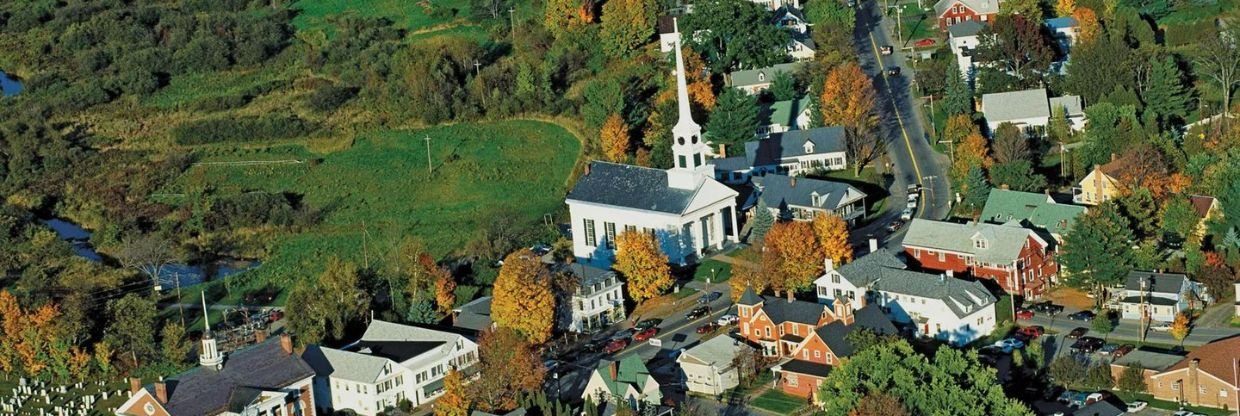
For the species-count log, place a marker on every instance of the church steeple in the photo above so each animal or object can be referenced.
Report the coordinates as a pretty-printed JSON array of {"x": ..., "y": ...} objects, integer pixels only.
[
  {"x": 689, "y": 149},
  {"x": 210, "y": 354}
]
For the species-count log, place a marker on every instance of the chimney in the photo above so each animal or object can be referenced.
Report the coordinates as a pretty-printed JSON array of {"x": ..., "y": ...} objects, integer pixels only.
[
  {"x": 161, "y": 391},
  {"x": 260, "y": 336},
  {"x": 613, "y": 368},
  {"x": 1004, "y": 187},
  {"x": 135, "y": 384},
  {"x": 286, "y": 343},
  {"x": 792, "y": 181},
  {"x": 1114, "y": 156},
  {"x": 873, "y": 245},
  {"x": 587, "y": 172},
  {"x": 828, "y": 265},
  {"x": 723, "y": 151}
]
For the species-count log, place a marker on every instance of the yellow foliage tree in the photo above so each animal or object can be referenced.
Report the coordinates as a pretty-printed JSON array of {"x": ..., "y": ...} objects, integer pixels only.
[
  {"x": 563, "y": 16},
  {"x": 454, "y": 402},
  {"x": 615, "y": 139},
  {"x": 445, "y": 292},
  {"x": 523, "y": 300},
  {"x": 1179, "y": 327},
  {"x": 1087, "y": 26},
  {"x": 974, "y": 151},
  {"x": 747, "y": 275},
  {"x": 79, "y": 363},
  {"x": 643, "y": 265},
  {"x": 848, "y": 97},
  {"x": 1065, "y": 7},
  {"x": 103, "y": 357},
  {"x": 10, "y": 324},
  {"x": 832, "y": 234},
  {"x": 701, "y": 90},
  {"x": 958, "y": 128},
  {"x": 793, "y": 257}
]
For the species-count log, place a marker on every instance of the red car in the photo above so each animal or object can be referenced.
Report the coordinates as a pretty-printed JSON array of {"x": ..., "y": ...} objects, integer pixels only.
[
  {"x": 615, "y": 345},
  {"x": 1024, "y": 314},
  {"x": 1032, "y": 331},
  {"x": 708, "y": 328},
  {"x": 645, "y": 335}
]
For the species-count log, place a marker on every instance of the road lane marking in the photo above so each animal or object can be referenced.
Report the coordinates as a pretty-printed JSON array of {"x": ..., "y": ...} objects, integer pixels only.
[{"x": 882, "y": 71}]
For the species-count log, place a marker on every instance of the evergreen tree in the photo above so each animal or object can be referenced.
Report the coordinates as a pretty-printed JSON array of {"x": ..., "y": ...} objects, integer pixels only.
[
  {"x": 762, "y": 222},
  {"x": 1142, "y": 214},
  {"x": 1017, "y": 175},
  {"x": 422, "y": 311},
  {"x": 784, "y": 87},
  {"x": 957, "y": 98},
  {"x": 976, "y": 188},
  {"x": 734, "y": 119},
  {"x": 1179, "y": 219},
  {"x": 1165, "y": 94},
  {"x": 1097, "y": 252}
]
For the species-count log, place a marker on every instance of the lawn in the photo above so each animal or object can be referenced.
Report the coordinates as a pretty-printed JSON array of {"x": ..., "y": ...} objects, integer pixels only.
[
  {"x": 376, "y": 191},
  {"x": 406, "y": 14},
  {"x": 915, "y": 24},
  {"x": 721, "y": 271},
  {"x": 189, "y": 88},
  {"x": 778, "y": 402}
]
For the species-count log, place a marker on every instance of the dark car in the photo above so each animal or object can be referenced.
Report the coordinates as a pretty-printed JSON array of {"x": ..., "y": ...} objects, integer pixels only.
[
  {"x": 1032, "y": 331},
  {"x": 708, "y": 328},
  {"x": 895, "y": 226},
  {"x": 615, "y": 345},
  {"x": 709, "y": 297},
  {"x": 893, "y": 71},
  {"x": 1088, "y": 344},
  {"x": 1082, "y": 316},
  {"x": 645, "y": 335},
  {"x": 1047, "y": 308},
  {"x": 1024, "y": 314},
  {"x": 698, "y": 312},
  {"x": 647, "y": 324},
  {"x": 1123, "y": 350},
  {"x": 595, "y": 345},
  {"x": 1077, "y": 332}
]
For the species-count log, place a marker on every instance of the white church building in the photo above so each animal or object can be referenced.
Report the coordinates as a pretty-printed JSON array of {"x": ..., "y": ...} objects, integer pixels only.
[{"x": 689, "y": 211}]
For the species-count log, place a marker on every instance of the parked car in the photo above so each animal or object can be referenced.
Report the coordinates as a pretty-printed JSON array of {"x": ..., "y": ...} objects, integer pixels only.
[
  {"x": 1077, "y": 332},
  {"x": 1123, "y": 350},
  {"x": 645, "y": 335},
  {"x": 1082, "y": 316},
  {"x": 595, "y": 345},
  {"x": 1047, "y": 308},
  {"x": 647, "y": 324},
  {"x": 615, "y": 345},
  {"x": 707, "y": 328},
  {"x": 1025, "y": 314},
  {"x": 912, "y": 203},
  {"x": 1108, "y": 348},
  {"x": 913, "y": 188},
  {"x": 893, "y": 71},
  {"x": 1009, "y": 344},
  {"x": 726, "y": 320},
  {"x": 906, "y": 215},
  {"x": 1137, "y": 406},
  {"x": 551, "y": 365},
  {"x": 885, "y": 50},
  {"x": 1087, "y": 344},
  {"x": 1161, "y": 326},
  {"x": 895, "y": 226},
  {"x": 1097, "y": 397},
  {"x": 709, "y": 297},
  {"x": 1032, "y": 331},
  {"x": 1078, "y": 399},
  {"x": 698, "y": 312}
]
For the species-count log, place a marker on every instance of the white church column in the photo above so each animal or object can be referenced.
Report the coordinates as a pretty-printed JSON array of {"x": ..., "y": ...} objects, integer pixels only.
[{"x": 736, "y": 231}]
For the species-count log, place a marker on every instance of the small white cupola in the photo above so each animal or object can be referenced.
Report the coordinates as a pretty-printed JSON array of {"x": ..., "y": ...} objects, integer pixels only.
[{"x": 809, "y": 146}]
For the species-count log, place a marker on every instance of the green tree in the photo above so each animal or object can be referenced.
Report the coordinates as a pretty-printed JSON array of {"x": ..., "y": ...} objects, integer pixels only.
[
  {"x": 342, "y": 295},
  {"x": 957, "y": 97},
  {"x": 1016, "y": 44},
  {"x": 132, "y": 326},
  {"x": 1098, "y": 377},
  {"x": 1102, "y": 323},
  {"x": 1179, "y": 219},
  {"x": 1138, "y": 206},
  {"x": 976, "y": 188},
  {"x": 783, "y": 87},
  {"x": 1010, "y": 144},
  {"x": 1067, "y": 371},
  {"x": 763, "y": 220},
  {"x": 175, "y": 344},
  {"x": 734, "y": 33},
  {"x": 1100, "y": 67},
  {"x": 1097, "y": 252},
  {"x": 734, "y": 120},
  {"x": 1058, "y": 128},
  {"x": 1132, "y": 379},
  {"x": 626, "y": 25},
  {"x": 1166, "y": 94},
  {"x": 1017, "y": 175},
  {"x": 830, "y": 15},
  {"x": 1029, "y": 9}
]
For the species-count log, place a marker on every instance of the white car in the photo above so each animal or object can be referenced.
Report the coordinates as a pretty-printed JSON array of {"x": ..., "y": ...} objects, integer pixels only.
[
  {"x": 1137, "y": 406},
  {"x": 1009, "y": 344},
  {"x": 726, "y": 320},
  {"x": 907, "y": 215},
  {"x": 1161, "y": 326},
  {"x": 912, "y": 204}
]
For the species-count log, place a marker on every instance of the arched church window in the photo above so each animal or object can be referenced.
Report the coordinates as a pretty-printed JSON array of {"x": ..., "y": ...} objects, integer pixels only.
[
  {"x": 680, "y": 140},
  {"x": 694, "y": 139}
]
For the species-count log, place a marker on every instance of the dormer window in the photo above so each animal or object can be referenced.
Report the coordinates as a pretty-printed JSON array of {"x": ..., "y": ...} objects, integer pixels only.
[
  {"x": 761, "y": 76},
  {"x": 809, "y": 147},
  {"x": 814, "y": 198},
  {"x": 979, "y": 243}
]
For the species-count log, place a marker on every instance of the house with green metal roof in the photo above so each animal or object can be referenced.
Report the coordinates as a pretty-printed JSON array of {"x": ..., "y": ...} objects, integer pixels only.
[
  {"x": 781, "y": 116},
  {"x": 1033, "y": 210},
  {"x": 627, "y": 379},
  {"x": 754, "y": 81}
]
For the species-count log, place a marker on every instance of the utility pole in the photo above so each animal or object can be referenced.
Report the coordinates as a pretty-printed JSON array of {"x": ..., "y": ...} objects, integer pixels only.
[
  {"x": 477, "y": 68},
  {"x": 899, "y": 25},
  {"x": 180, "y": 306},
  {"x": 512, "y": 22},
  {"x": 428, "y": 155}
]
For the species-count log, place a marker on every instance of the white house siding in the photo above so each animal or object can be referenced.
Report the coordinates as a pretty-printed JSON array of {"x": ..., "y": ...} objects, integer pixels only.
[
  {"x": 365, "y": 398},
  {"x": 706, "y": 379},
  {"x": 933, "y": 318},
  {"x": 680, "y": 248},
  {"x": 959, "y": 45},
  {"x": 1025, "y": 124},
  {"x": 589, "y": 311},
  {"x": 597, "y": 388},
  {"x": 832, "y": 285}
]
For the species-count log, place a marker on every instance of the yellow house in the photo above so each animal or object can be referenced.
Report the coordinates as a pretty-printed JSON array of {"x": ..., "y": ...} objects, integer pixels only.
[
  {"x": 1207, "y": 209},
  {"x": 1098, "y": 186}
]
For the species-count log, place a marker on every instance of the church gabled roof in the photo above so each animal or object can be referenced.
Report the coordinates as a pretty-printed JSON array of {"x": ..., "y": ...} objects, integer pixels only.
[
  {"x": 643, "y": 188},
  {"x": 749, "y": 298}
]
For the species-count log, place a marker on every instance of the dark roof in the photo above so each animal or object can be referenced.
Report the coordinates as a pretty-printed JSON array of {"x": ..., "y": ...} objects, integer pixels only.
[
  {"x": 1201, "y": 204},
  {"x": 475, "y": 315},
  {"x": 780, "y": 310},
  {"x": 1099, "y": 408},
  {"x": 263, "y": 366},
  {"x": 397, "y": 351},
  {"x": 965, "y": 28},
  {"x": 1153, "y": 300},
  {"x": 869, "y": 317},
  {"x": 1216, "y": 358},
  {"x": 791, "y": 144},
  {"x": 1158, "y": 282},
  {"x": 781, "y": 191},
  {"x": 665, "y": 24},
  {"x": 806, "y": 367},
  {"x": 749, "y": 297},
  {"x": 630, "y": 186}
]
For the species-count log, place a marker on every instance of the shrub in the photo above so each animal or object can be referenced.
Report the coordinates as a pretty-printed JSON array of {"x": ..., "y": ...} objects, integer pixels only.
[
  {"x": 219, "y": 130},
  {"x": 331, "y": 97}
]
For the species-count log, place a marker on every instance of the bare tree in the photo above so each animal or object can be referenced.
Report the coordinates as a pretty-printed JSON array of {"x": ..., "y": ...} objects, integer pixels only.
[
  {"x": 148, "y": 254},
  {"x": 1218, "y": 59},
  {"x": 862, "y": 145}
]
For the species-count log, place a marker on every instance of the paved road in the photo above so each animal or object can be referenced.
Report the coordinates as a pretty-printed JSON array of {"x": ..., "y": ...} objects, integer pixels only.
[
  {"x": 914, "y": 161},
  {"x": 1128, "y": 330}
]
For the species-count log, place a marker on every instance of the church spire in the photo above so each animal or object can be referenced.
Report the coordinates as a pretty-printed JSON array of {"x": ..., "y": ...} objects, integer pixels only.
[
  {"x": 209, "y": 354},
  {"x": 689, "y": 148}
]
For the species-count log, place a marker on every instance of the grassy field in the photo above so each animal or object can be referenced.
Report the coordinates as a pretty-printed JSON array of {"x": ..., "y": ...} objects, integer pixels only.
[
  {"x": 406, "y": 14},
  {"x": 778, "y": 402},
  {"x": 722, "y": 271},
  {"x": 378, "y": 190}
]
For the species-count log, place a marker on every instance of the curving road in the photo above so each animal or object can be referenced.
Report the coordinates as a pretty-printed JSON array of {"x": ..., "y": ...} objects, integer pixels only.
[{"x": 913, "y": 159}]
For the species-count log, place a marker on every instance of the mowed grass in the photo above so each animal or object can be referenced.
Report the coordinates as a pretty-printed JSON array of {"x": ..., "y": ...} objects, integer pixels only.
[
  {"x": 778, "y": 402},
  {"x": 377, "y": 191},
  {"x": 410, "y": 15}
]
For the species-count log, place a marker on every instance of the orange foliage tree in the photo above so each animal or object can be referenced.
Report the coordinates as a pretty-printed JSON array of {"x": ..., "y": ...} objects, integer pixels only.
[
  {"x": 643, "y": 265},
  {"x": 973, "y": 151},
  {"x": 511, "y": 366},
  {"x": 454, "y": 402},
  {"x": 793, "y": 257},
  {"x": 445, "y": 292},
  {"x": 832, "y": 234},
  {"x": 29, "y": 338},
  {"x": 523, "y": 300},
  {"x": 1087, "y": 28},
  {"x": 848, "y": 97},
  {"x": 563, "y": 16},
  {"x": 615, "y": 139},
  {"x": 701, "y": 91}
]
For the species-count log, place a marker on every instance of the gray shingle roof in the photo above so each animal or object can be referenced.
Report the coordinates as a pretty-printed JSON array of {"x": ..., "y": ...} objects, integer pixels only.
[
  {"x": 630, "y": 186},
  {"x": 1153, "y": 300},
  {"x": 204, "y": 391},
  {"x": 961, "y": 296},
  {"x": 863, "y": 271},
  {"x": 734, "y": 163},
  {"x": 1070, "y": 103},
  {"x": 1003, "y": 242},
  {"x": 1099, "y": 408},
  {"x": 1156, "y": 361},
  {"x": 869, "y": 317},
  {"x": 965, "y": 28},
  {"x": 779, "y": 191},
  {"x": 1014, "y": 105},
  {"x": 761, "y": 75},
  {"x": 781, "y": 310},
  {"x": 331, "y": 362},
  {"x": 475, "y": 315},
  {"x": 1158, "y": 282},
  {"x": 791, "y": 144},
  {"x": 749, "y": 297},
  {"x": 717, "y": 351}
]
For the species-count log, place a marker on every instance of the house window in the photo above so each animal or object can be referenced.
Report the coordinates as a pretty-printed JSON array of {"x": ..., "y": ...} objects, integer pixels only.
[
  {"x": 917, "y": 252},
  {"x": 761, "y": 76},
  {"x": 590, "y": 241},
  {"x": 1222, "y": 392},
  {"x": 682, "y": 161},
  {"x": 791, "y": 379},
  {"x": 817, "y": 354},
  {"x": 979, "y": 243},
  {"x": 768, "y": 332},
  {"x": 835, "y": 278},
  {"x": 794, "y": 330},
  {"x": 805, "y": 354},
  {"x": 942, "y": 256},
  {"x": 610, "y": 229},
  {"x": 1175, "y": 386},
  {"x": 630, "y": 228}
]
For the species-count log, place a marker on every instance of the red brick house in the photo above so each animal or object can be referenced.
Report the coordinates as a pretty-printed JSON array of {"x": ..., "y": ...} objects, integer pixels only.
[
  {"x": 1018, "y": 259},
  {"x": 951, "y": 12},
  {"x": 807, "y": 358},
  {"x": 1209, "y": 376}
]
